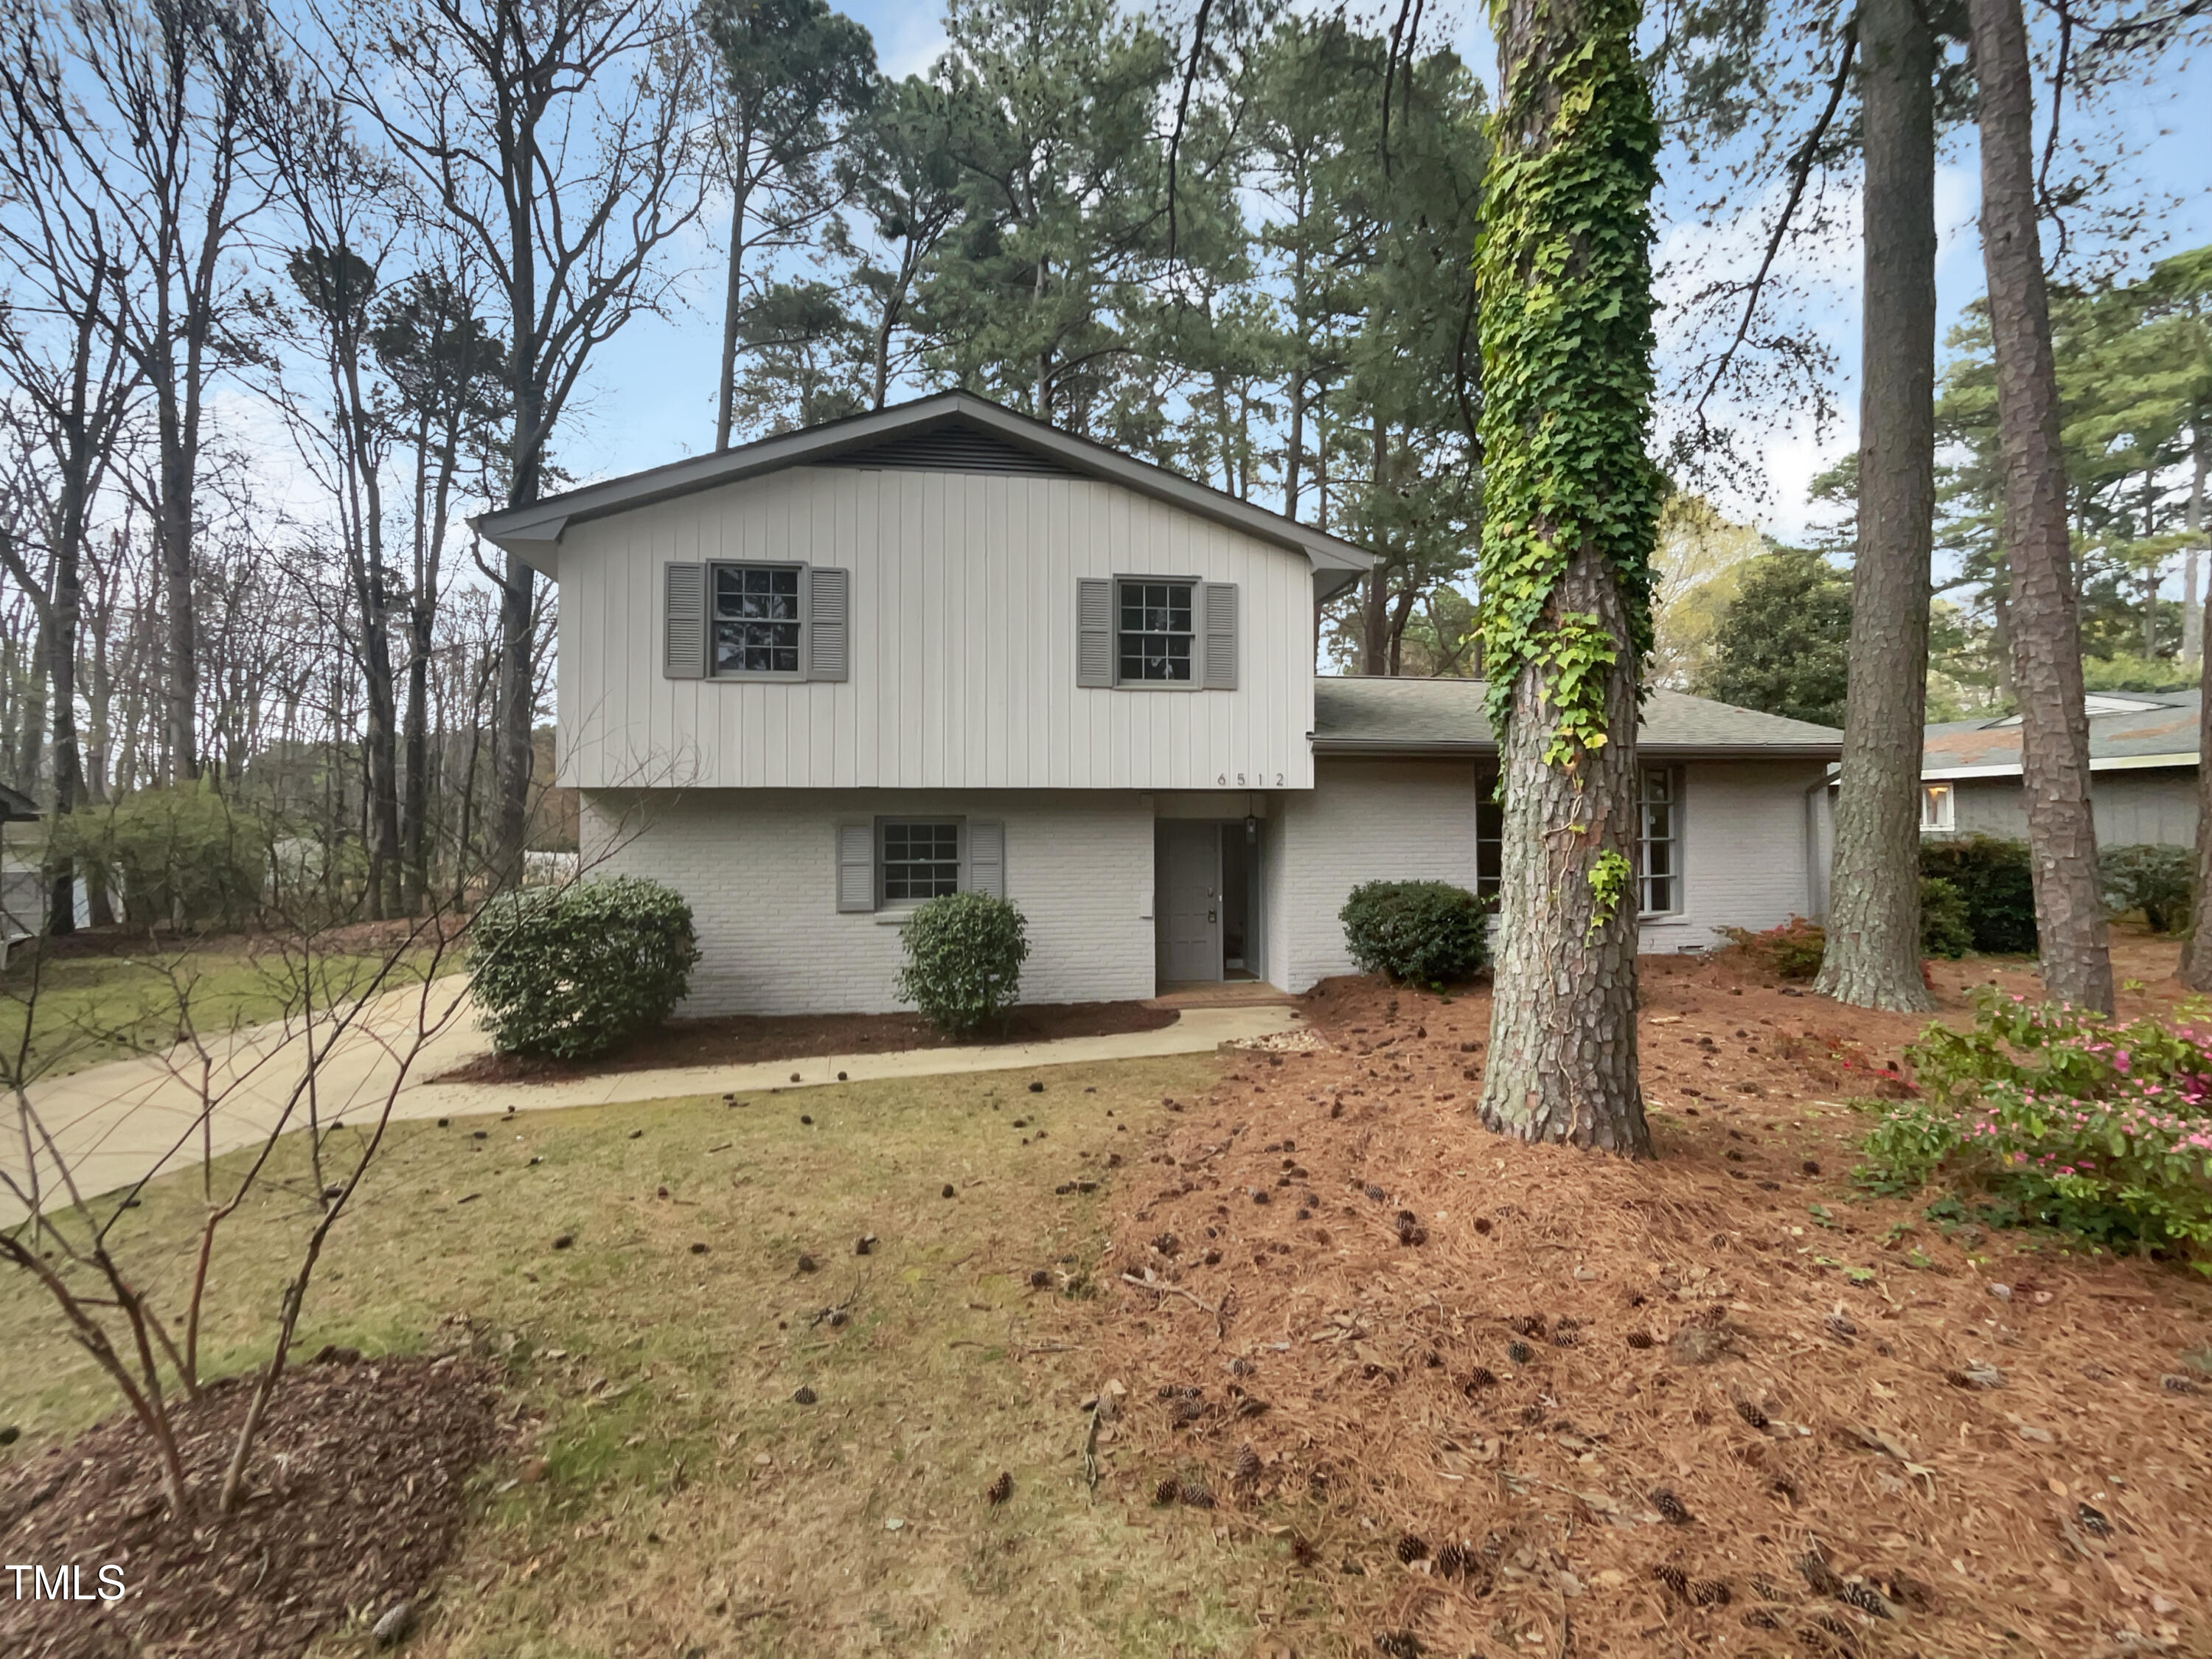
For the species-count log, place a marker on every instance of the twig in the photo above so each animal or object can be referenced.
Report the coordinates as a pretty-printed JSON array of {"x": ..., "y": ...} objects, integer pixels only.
[
  {"x": 1177, "y": 1289},
  {"x": 1091, "y": 1444},
  {"x": 1801, "y": 173}
]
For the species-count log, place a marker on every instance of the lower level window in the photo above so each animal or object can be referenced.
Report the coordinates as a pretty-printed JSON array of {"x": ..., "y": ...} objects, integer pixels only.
[
  {"x": 921, "y": 859},
  {"x": 1658, "y": 844},
  {"x": 1939, "y": 808},
  {"x": 1489, "y": 836}
]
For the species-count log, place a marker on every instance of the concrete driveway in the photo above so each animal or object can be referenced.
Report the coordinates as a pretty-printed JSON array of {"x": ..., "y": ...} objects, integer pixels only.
[{"x": 112, "y": 1125}]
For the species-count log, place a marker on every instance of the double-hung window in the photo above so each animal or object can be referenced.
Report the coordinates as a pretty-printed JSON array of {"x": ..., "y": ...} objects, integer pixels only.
[
  {"x": 1157, "y": 630},
  {"x": 1659, "y": 842},
  {"x": 920, "y": 858},
  {"x": 1489, "y": 836},
  {"x": 756, "y": 619}
]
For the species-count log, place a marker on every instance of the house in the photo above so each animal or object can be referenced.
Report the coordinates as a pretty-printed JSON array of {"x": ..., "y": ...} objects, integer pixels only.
[
  {"x": 2142, "y": 772},
  {"x": 816, "y": 680}
]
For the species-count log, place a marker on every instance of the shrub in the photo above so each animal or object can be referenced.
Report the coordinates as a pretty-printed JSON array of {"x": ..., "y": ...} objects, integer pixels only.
[
  {"x": 1429, "y": 933},
  {"x": 2158, "y": 881},
  {"x": 1994, "y": 877},
  {"x": 1944, "y": 929},
  {"x": 2069, "y": 1119},
  {"x": 963, "y": 960},
  {"x": 568, "y": 973},
  {"x": 180, "y": 855},
  {"x": 1792, "y": 950}
]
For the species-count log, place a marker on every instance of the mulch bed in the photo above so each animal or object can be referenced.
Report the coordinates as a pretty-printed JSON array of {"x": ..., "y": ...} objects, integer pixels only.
[
  {"x": 743, "y": 1039},
  {"x": 1490, "y": 1397},
  {"x": 357, "y": 1489}
]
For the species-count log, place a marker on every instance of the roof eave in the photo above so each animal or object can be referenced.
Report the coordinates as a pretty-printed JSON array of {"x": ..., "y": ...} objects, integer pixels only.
[
  {"x": 1663, "y": 750},
  {"x": 532, "y": 533}
]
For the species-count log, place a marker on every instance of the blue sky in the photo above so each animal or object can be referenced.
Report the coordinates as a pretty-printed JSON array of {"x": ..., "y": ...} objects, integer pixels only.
[{"x": 649, "y": 397}]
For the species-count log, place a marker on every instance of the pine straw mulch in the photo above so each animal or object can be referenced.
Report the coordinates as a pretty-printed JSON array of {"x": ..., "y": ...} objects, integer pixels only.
[
  {"x": 356, "y": 1493},
  {"x": 1495, "y": 1398}
]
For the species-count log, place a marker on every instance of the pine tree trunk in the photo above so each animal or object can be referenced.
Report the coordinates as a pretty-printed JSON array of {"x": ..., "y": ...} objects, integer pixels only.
[
  {"x": 1873, "y": 957},
  {"x": 1564, "y": 269},
  {"x": 2046, "y": 637}
]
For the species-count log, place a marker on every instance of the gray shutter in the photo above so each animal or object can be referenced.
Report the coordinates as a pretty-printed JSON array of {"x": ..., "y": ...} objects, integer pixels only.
[
  {"x": 986, "y": 859},
  {"x": 828, "y": 623},
  {"x": 856, "y": 866},
  {"x": 684, "y": 622},
  {"x": 1094, "y": 631},
  {"x": 1220, "y": 601}
]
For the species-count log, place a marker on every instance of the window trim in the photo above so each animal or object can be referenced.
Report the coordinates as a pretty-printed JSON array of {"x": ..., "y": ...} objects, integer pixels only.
[
  {"x": 1197, "y": 680},
  {"x": 1679, "y": 875},
  {"x": 758, "y": 676},
  {"x": 1487, "y": 801},
  {"x": 1947, "y": 820},
  {"x": 886, "y": 905}
]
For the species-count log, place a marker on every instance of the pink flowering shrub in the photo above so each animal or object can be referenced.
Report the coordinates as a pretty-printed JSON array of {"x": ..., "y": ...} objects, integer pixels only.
[{"x": 2101, "y": 1129}]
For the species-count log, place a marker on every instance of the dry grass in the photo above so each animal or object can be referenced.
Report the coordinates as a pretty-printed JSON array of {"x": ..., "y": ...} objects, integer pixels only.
[{"x": 684, "y": 1503}]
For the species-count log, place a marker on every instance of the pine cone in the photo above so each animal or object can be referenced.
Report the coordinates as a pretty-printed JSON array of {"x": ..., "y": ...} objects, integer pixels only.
[
  {"x": 1518, "y": 1352},
  {"x": 1759, "y": 1619},
  {"x": 1196, "y": 1494},
  {"x": 1411, "y": 1548},
  {"x": 1529, "y": 1324},
  {"x": 1531, "y": 1414},
  {"x": 1481, "y": 1378},
  {"x": 1639, "y": 1339},
  {"x": 1000, "y": 1490},
  {"x": 1565, "y": 1338},
  {"x": 1674, "y": 1578},
  {"x": 1398, "y": 1645},
  {"x": 1767, "y": 1590},
  {"x": 1866, "y": 1599},
  {"x": 1303, "y": 1552},
  {"x": 1711, "y": 1593},
  {"x": 1452, "y": 1561},
  {"x": 1247, "y": 1467},
  {"x": 1668, "y": 1505},
  {"x": 2093, "y": 1521},
  {"x": 1818, "y": 1574},
  {"x": 1166, "y": 1492},
  {"x": 1751, "y": 1413}
]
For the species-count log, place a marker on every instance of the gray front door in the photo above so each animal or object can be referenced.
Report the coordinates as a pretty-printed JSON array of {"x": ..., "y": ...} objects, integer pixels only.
[{"x": 1189, "y": 886}]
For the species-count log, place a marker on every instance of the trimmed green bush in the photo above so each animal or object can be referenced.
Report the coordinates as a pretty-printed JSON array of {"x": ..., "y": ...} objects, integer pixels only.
[
  {"x": 1945, "y": 930},
  {"x": 1993, "y": 877},
  {"x": 963, "y": 960},
  {"x": 1426, "y": 932},
  {"x": 570, "y": 973},
  {"x": 180, "y": 855},
  {"x": 2158, "y": 881}
]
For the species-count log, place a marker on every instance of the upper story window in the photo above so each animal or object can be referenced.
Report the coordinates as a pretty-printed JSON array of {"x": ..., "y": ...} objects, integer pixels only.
[
  {"x": 1659, "y": 843},
  {"x": 756, "y": 619},
  {"x": 1939, "y": 809},
  {"x": 1157, "y": 631}
]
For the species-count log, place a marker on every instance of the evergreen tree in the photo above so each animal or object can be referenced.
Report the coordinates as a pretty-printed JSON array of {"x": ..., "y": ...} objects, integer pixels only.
[{"x": 1783, "y": 645}]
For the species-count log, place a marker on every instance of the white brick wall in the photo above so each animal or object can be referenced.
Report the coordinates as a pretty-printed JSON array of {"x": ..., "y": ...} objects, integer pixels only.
[
  {"x": 758, "y": 867},
  {"x": 1365, "y": 820},
  {"x": 1744, "y": 850}
]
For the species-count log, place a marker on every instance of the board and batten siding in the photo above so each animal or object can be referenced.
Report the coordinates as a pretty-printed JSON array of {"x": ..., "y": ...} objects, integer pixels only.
[
  {"x": 963, "y": 641},
  {"x": 2153, "y": 804}
]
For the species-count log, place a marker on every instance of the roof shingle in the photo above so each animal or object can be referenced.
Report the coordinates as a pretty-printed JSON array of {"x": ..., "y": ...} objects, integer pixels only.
[{"x": 1355, "y": 713}]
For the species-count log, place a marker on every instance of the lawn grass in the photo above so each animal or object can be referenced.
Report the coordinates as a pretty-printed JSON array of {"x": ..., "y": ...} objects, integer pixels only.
[
  {"x": 685, "y": 1503},
  {"x": 94, "y": 1008}
]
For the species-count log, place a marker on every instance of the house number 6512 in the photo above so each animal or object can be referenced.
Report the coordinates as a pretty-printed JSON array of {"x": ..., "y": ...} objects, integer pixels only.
[{"x": 1223, "y": 780}]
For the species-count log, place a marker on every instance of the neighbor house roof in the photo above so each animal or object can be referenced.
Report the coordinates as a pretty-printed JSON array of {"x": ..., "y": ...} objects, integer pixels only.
[
  {"x": 1361, "y": 715},
  {"x": 2128, "y": 730},
  {"x": 963, "y": 433}
]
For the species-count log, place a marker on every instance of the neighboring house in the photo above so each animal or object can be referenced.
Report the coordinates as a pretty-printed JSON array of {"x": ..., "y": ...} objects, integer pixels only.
[
  {"x": 818, "y": 679},
  {"x": 2142, "y": 772}
]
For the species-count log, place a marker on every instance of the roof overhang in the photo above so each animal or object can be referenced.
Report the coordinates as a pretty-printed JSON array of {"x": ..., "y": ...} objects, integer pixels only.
[
  {"x": 1482, "y": 748},
  {"x": 533, "y": 533},
  {"x": 2101, "y": 763}
]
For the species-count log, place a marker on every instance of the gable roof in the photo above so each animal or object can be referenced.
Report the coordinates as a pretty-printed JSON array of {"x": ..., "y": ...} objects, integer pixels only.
[
  {"x": 2128, "y": 730},
  {"x": 952, "y": 431},
  {"x": 1362, "y": 715}
]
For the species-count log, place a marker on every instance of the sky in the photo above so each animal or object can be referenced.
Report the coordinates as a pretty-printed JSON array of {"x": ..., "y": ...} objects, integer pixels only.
[{"x": 649, "y": 397}]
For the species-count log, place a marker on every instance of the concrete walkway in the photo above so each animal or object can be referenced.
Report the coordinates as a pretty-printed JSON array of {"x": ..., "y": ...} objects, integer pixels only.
[{"x": 113, "y": 1124}]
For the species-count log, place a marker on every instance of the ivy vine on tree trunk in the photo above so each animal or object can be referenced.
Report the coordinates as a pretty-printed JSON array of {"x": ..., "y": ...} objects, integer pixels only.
[{"x": 1563, "y": 270}]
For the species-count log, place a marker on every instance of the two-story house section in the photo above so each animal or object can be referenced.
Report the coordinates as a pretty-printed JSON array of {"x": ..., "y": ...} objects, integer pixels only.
[{"x": 822, "y": 678}]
